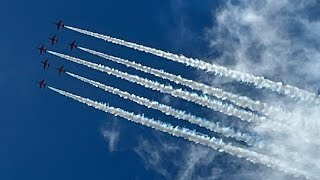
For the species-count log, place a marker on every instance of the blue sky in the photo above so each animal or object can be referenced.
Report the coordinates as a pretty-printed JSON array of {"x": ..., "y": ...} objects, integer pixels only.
[{"x": 45, "y": 136}]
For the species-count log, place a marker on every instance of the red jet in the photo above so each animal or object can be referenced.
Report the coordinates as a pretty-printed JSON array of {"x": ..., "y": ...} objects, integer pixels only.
[
  {"x": 61, "y": 70},
  {"x": 42, "y": 84},
  {"x": 53, "y": 40},
  {"x": 46, "y": 64},
  {"x": 73, "y": 45},
  {"x": 42, "y": 49},
  {"x": 59, "y": 24}
]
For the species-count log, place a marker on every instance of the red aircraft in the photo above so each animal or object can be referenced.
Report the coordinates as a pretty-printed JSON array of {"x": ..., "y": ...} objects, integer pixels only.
[
  {"x": 42, "y": 84},
  {"x": 53, "y": 40},
  {"x": 73, "y": 45},
  {"x": 59, "y": 24},
  {"x": 61, "y": 70},
  {"x": 46, "y": 64},
  {"x": 42, "y": 49}
]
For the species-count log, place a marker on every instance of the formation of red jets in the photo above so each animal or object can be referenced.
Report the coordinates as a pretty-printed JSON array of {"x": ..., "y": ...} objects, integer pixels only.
[{"x": 42, "y": 49}]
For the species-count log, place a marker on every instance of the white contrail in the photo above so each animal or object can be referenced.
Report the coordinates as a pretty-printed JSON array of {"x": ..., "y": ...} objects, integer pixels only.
[
  {"x": 228, "y": 132},
  {"x": 192, "y": 136},
  {"x": 257, "y": 81},
  {"x": 227, "y": 109},
  {"x": 242, "y": 101}
]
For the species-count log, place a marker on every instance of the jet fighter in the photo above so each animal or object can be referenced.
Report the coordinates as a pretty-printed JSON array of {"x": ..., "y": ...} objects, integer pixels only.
[
  {"x": 73, "y": 45},
  {"x": 53, "y": 40},
  {"x": 42, "y": 84},
  {"x": 46, "y": 64},
  {"x": 59, "y": 24},
  {"x": 61, "y": 70},
  {"x": 42, "y": 49}
]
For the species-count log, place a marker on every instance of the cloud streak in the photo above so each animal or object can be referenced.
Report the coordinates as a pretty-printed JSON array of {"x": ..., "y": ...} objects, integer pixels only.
[
  {"x": 204, "y": 101},
  {"x": 190, "y": 136},
  {"x": 168, "y": 110},
  {"x": 242, "y": 101},
  {"x": 257, "y": 81},
  {"x": 276, "y": 39}
]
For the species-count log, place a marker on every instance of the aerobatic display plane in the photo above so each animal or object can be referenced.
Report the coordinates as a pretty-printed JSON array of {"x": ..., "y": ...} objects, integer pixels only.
[
  {"x": 42, "y": 84},
  {"x": 46, "y": 64},
  {"x": 53, "y": 40},
  {"x": 61, "y": 70},
  {"x": 73, "y": 45},
  {"x": 42, "y": 49},
  {"x": 59, "y": 24}
]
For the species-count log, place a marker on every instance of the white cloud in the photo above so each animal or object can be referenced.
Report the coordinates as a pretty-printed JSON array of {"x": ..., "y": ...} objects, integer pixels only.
[
  {"x": 276, "y": 39},
  {"x": 111, "y": 133},
  {"x": 273, "y": 38},
  {"x": 112, "y": 137},
  {"x": 195, "y": 156},
  {"x": 166, "y": 157},
  {"x": 176, "y": 159},
  {"x": 155, "y": 152}
]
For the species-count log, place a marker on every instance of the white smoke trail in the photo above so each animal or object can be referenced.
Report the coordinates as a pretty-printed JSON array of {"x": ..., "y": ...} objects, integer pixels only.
[
  {"x": 257, "y": 81},
  {"x": 242, "y": 101},
  {"x": 191, "y": 97},
  {"x": 228, "y": 132},
  {"x": 192, "y": 136}
]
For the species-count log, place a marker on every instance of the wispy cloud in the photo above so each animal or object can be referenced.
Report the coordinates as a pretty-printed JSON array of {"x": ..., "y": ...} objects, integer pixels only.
[
  {"x": 279, "y": 40},
  {"x": 271, "y": 38},
  {"x": 196, "y": 162},
  {"x": 111, "y": 133},
  {"x": 154, "y": 151},
  {"x": 195, "y": 157},
  {"x": 276, "y": 39}
]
